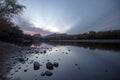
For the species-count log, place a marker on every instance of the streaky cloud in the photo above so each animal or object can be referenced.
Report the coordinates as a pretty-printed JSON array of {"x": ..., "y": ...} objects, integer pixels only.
[{"x": 28, "y": 27}]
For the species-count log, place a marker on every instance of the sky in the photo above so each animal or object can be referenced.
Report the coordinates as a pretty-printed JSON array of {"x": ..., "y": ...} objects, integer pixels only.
[{"x": 68, "y": 16}]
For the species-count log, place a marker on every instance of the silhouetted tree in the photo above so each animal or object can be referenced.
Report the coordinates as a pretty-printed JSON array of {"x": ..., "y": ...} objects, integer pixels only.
[
  {"x": 8, "y": 31},
  {"x": 9, "y": 8}
]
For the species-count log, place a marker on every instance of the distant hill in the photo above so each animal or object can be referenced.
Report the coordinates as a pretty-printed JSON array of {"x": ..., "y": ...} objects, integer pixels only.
[
  {"x": 37, "y": 36},
  {"x": 54, "y": 35}
]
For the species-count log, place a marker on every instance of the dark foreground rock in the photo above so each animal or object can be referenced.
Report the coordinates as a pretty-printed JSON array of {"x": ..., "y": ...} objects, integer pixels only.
[
  {"x": 56, "y": 64},
  {"x": 21, "y": 60},
  {"x": 48, "y": 73},
  {"x": 42, "y": 74},
  {"x": 36, "y": 65},
  {"x": 49, "y": 66}
]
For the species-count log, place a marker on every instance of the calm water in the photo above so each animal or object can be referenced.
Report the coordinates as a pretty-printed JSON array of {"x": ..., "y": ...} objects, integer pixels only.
[{"x": 75, "y": 62}]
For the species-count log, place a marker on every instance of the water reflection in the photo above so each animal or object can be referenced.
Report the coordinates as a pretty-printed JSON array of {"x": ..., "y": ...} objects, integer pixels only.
[
  {"x": 92, "y": 46},
  {"x": 63, "y": 60}
]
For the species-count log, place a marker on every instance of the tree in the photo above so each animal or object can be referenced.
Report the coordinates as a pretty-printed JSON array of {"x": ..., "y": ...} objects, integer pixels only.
[
  {"x": 8, "y": 8},
  {"x": 8, "y": 31}
]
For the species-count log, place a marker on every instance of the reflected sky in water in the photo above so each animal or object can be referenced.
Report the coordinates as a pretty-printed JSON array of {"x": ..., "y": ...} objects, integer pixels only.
[{"x": 75, "y": 63}]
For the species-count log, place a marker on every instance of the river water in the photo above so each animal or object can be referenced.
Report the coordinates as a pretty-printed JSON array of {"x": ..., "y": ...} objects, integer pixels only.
[{"x": 76, "y": 61}]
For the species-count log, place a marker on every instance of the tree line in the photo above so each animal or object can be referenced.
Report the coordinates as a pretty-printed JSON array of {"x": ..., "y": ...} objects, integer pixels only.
[
  {"x": 91, "y": 35},
  {"x": 10, "y": 32}
]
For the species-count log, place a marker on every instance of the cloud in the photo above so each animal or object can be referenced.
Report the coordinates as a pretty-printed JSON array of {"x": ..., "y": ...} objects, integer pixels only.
[
  {"x": 28, "y": 27},
  {"x": 99, "y": 16}
]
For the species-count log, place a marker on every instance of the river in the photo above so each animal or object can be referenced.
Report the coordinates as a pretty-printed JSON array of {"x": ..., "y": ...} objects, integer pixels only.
[{"x": 75, "y": 61}]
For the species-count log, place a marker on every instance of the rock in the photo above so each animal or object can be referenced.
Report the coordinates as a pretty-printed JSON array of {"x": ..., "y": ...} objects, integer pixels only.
[
  {"x": 66, "y": 53},
  {"x": 42, "y": 74},
  {"x": 16, "y": 70},
  {"x": 22, "y": 60},
  {"x": 36, "y": 65},
  {"x": 36, "y": 52},
  {"x": 49, "y": 66},
  {"x": 48, "y": 73},
  {"x": 44, "y": 51},
  {"x": 56, "y": 64},
  {"x": 36, "y": 57},
  {"x": 76, "y": 64},
  {"x": 19, "y": 68},
  {"x": 25, "y": 70},
  {"x": 27, "y": 58},
  {"x": 69, "y": 50}
]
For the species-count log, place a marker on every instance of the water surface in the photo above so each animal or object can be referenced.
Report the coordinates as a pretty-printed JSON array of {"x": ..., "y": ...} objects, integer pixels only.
[{"x": 76, "y": 61}]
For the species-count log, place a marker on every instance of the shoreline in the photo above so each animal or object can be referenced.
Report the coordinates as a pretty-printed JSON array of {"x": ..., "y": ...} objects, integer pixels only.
[
  {"x": 90, "y": 41},
  {"x": 8, "y": 54}
]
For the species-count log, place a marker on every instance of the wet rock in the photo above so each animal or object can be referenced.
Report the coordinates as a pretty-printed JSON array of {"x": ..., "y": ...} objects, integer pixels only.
[
  {"x": 16, "y": 70},
  {"x": 48, "y": 73},
  {"x": 36, "y": 65},
  {"x": 12, "y": 74},
  {"x": 44, "y": 51},
  {"x": 36, "y": 57},
  {"x": 27, "y": 58},
  {"x": 42, "y": 74},
  {"x": 66, "y": 53},
  {"x": 49, "y": 66},
  {"x": 36, "y": 52},
  {"x": 25, "y": 70},
  {"x": 69, "y": 50},
  {"x": 22, "y": 60},
  {"x": 56, "y": 64},
  {"x": 76, "y": 64},
  {"x": 19, "y": 68},
  {"x": 15, "y": 62}
]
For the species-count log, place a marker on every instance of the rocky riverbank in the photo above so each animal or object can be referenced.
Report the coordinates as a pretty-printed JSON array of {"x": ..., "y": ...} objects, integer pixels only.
[
  {"x": 8, "y": 53},
  {"x": 13, "y": 57}
]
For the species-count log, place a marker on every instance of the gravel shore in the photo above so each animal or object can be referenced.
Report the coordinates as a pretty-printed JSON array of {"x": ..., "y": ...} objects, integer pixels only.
[{"x": 8, "y": 52}]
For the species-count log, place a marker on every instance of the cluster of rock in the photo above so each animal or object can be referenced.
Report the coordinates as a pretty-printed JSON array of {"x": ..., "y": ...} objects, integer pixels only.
[
  {"x": 36, "y": 64},
  {"x": 49, "y": 66}
]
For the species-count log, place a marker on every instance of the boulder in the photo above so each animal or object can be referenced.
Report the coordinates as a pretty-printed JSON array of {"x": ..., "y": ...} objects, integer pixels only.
[
  {"x": 49, "y": 66},
  {"x": 36, "y": 65},
  {"x": 56, "y": 64}
]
